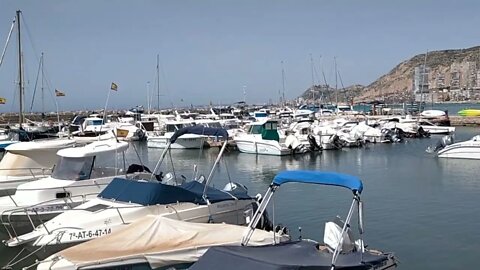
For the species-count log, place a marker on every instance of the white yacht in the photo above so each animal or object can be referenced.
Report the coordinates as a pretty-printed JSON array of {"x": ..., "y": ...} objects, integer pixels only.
[
  {"x": 27, "y": 161},
  {"x": 263, "y": 138},
  {"x": 445, "y": 148},
  {"x": 78, "y": 176},
  {"x": 186, "y": 141}
]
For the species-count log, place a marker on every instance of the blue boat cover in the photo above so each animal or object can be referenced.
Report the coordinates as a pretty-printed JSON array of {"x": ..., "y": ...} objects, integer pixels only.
[
  {"x": 200, "y": 130},
  {"x": 321, "y": 178},
  {"x": 151, "y": 193},
  {"x": 295, "y": 255}
]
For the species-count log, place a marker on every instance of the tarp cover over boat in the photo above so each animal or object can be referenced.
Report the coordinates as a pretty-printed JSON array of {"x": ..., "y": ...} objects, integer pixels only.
[
  {"x": 151, "y": 193},
  {"x": 155, "y": 240},
  {"x": 290, "y": 255}
]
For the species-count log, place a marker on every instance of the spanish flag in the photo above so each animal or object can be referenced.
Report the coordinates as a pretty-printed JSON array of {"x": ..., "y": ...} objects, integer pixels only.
[
  {"x": 114, "y": 86},
  {"x": 3, "y": 100},
  {"x": 59, "y": 93}
]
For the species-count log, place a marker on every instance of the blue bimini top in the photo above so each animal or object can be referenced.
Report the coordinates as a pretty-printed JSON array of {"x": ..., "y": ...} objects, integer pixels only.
[
  {"x": 151, "y": 193},
  {"x": 318, "y": 177}
]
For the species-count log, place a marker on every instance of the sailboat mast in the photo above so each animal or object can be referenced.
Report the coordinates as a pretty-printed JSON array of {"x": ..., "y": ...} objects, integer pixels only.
[
  {"x": 336, "y": 81},
  {"x": 20, "y": 76},
  {"x": 283, "y": 85},
  {"x": 313, "y": 79},
  {"x": 43, "y": 77},
  {"x": 158, "y": 83}
]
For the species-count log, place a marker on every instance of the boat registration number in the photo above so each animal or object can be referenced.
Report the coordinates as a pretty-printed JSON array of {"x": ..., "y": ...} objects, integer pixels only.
[
  {"x": 89, "y": 234},
  {"x": 47, "y": 208}
]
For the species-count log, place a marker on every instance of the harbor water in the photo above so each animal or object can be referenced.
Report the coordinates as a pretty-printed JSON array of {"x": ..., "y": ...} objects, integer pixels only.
[{"x": 422, "y": 208}]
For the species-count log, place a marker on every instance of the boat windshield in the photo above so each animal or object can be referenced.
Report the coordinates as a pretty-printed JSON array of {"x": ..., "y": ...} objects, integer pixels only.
[
  {"x": 98, "y": 122},
  {"x": 68, "y": 168},
  {"x": 271, "y": 126},
  {"x": 214, "y": 125},
  {"x": 255, "y": 129},
  {"x": 260, "y": 114},
  {"x": 175, "y": 127}
]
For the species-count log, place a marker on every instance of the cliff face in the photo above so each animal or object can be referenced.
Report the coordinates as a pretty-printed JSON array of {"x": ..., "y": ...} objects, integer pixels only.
[{"x": 444, "y": 71}]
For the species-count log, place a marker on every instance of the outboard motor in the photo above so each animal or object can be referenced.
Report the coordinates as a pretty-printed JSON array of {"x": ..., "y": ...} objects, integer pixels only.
[
  {"x": 337, "y": 142},
  {"x": 313, "y": 143},
  {"x": 392, "y": 135},
  {"x": 423, "y": 133},
  {"x": 444, "y": 141}
]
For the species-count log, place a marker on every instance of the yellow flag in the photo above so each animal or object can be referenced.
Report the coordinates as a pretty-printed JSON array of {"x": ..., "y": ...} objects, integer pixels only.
[
  {"x": 3, "y": 100},
  {"x": 114, "y": 86}
]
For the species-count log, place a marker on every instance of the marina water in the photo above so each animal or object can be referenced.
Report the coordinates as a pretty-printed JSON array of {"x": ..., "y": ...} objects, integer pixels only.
[{"x": 422, "y": 208}]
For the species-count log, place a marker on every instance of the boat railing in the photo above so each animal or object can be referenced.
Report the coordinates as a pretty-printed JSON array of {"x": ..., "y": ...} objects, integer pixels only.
[
  {"x": 33, "y": 212},
  {"x": 34, "y": 172}
]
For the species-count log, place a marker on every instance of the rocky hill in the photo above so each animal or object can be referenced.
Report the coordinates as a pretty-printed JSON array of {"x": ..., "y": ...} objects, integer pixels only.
[
  {"x": 327, "y": 94},
  {"x": 446, "y": 72}
]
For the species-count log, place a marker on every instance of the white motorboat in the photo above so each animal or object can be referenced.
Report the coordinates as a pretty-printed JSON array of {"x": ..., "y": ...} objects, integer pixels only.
[
  {"x": 26, "y": 161},
  {"x": 445, "y": 148},
  {"x": 428, "y": 126},
  {"x": 186, "y": 141},
  {"x": 153, "y": 242},
  {"x": 435, "y": 129},
  {"x": 263, "y": 138},
  {"x": 124, "y": 201},
  {"x": 79, "y": 175}
]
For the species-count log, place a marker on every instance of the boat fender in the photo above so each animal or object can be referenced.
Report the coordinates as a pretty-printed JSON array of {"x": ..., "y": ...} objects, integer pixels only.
[{"x": 291, "y": 141}]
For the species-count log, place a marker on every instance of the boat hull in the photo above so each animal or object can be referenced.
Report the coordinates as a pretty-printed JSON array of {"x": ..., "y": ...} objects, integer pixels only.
[
  {"x": 438, "y": 130},
  {"x": 262, "y": 147},
  {"x": 462, "y": 150},
  {"x": 187, "y": 142}
]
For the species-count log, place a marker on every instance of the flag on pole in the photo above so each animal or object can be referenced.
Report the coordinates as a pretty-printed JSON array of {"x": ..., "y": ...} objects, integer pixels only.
[
  {"x": 3, "y": 100},
  {"x": 114, "y": 86},
  {"x": 59, "y": 93}
]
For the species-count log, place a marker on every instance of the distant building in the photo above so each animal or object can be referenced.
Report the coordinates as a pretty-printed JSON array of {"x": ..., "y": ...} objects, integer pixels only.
[
  {"x": 420, "y": 83},
  {"x": 420, "y": 79}
]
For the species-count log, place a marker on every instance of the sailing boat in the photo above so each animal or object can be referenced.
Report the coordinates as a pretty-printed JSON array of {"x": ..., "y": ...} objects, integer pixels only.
[{"x": 22, "y": 131}]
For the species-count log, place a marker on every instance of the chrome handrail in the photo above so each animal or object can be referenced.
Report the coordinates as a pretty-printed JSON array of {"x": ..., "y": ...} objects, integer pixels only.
[{"x": 67, "y": 202}]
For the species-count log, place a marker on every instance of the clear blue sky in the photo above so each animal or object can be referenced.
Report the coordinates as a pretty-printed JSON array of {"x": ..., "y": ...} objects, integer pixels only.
[{"x": 209, "y": 50}]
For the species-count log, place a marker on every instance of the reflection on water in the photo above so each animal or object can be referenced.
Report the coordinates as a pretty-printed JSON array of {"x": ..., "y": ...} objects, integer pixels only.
[{"x": 415, "y": 204}]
